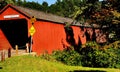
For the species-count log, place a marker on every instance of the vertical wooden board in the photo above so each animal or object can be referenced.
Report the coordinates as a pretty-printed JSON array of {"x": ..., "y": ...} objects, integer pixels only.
[
  {"x": 79, "y": 34},
  {"x": 48, "y": 37}
]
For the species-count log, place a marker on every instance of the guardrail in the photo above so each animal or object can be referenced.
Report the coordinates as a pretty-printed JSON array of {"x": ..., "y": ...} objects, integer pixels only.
[{"x": 11, "y": 52}]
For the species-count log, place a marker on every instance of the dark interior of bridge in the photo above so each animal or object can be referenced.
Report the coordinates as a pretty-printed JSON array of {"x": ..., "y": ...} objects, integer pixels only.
[{"x": 16, "y": 32}]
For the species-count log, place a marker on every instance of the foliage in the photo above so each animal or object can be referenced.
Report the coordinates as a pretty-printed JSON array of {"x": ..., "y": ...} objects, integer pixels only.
[
  {"x": 115, "y": 45},
  {"x": 2, "y": 4},
  {"x": 32, "y": 5},
  {"x": 48, "y": 57},
  {"x": 44, "y": 6},
  {"x": 91, "y": 55},
  {"x": 96, "y": 56},
  {"x": 70, "y": 57},
  {"x": 91, "y": 44},
  {"x": 100, "y": 58}
]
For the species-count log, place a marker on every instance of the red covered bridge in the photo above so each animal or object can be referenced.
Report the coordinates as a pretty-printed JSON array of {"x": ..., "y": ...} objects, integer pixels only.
[{"x": 50, "y": 32}]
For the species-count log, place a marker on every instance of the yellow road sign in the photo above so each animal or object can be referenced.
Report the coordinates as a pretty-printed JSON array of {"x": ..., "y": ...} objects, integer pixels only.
[{"x": 32, "y": 30}]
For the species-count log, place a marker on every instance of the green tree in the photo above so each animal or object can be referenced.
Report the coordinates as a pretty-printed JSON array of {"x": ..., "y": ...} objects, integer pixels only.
[
  {"x": 13, "y": 2},
  {"x": 45, "y": 7},
  {"x": 2, "y": 3},
  {"x": 104, "y": 14},
  {"x": 32, "y": 5}
]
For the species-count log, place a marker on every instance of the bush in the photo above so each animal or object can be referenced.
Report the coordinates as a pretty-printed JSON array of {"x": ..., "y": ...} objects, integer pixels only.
[
  {"x": 48, "y": 57},
  {"x": 90, "y": 55},
  {"x": 69, "y": 57},
  {"x": 100, "y": 58},
  {"x": 97, "y": 57}
]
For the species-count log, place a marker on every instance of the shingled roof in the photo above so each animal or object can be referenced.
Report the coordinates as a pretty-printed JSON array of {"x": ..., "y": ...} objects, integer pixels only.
[{"x": 44, "y": 16}]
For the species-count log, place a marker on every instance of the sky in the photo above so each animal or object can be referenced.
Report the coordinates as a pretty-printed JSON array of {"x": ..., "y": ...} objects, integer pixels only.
[{"x": 41, "y": 1}]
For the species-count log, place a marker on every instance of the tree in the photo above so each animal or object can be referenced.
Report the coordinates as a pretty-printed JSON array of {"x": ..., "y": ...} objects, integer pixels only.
[
  {"x": 13, "y": 2},
  {"x": 2, "y": 3},
  {"x": 104, "y": 14},
  {"x": 64, "y": 8},
  {"x": 45, "y": 7},
  {"x": 32, "y": 5}
]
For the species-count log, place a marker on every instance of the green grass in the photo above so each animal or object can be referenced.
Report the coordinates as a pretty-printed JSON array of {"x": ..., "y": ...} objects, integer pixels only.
[{"x": 36, "y": 64}]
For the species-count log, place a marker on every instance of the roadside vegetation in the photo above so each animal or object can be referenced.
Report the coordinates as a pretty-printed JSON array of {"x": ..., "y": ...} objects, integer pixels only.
[
  {"x": 29, "y": 63},
  {"x": 89, "y": 55}
]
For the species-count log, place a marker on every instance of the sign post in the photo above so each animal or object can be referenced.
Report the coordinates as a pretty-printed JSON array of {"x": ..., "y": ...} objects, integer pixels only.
[
  {"x": 31, "y": 45},
  {"x": 32, "y": 31}
]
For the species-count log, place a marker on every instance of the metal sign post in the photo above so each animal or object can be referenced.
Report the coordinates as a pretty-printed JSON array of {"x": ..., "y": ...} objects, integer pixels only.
[
  {"x": 31, "y": 45},
  {"x": 32, "y": 31}
]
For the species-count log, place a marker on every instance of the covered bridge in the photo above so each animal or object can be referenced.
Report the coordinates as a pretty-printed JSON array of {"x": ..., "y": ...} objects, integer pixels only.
[{"x": 50, "y": 34}]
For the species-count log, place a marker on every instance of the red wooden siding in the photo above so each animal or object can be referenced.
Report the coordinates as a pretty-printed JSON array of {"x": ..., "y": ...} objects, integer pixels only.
[
  {"x": 48, "y": 37},
  {"x": 51, "y": 36},
  {"x": 78, "y": 32},
  {"x": 4, "y": 43}
]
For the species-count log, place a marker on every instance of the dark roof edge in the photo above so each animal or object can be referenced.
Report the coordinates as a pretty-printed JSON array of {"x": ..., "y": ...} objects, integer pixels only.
[{"x": 49, "y": 21}]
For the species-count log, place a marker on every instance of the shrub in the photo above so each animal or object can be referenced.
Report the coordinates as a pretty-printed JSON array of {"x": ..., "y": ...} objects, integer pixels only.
[
  {"x": 69, "y": 57},
  {"x": 48, "y": 57},
  {"x": 97, "y": 57},
  {"x": 115, "y": 44},
  {"x": 90, "y": 55}
]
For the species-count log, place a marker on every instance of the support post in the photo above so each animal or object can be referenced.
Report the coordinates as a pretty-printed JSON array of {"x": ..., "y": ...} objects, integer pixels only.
[
  {"x": 31, "y": 45},
  {"x": 16, "y": 47},
  {"x": 27, "y": 47},
  {"x": 9, "y": 52},
  {"x": 2, "y": 55}
]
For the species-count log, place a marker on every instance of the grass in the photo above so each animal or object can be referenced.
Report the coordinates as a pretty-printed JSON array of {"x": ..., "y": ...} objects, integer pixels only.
[{"x": 37, "y": 64}]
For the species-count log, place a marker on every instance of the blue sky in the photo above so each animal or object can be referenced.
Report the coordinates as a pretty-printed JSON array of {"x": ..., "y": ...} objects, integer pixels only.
[{"x": 41, "y": 1}]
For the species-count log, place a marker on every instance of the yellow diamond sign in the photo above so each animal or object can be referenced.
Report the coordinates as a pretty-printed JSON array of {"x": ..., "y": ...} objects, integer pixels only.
[{"x": 32, "y": 30}]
